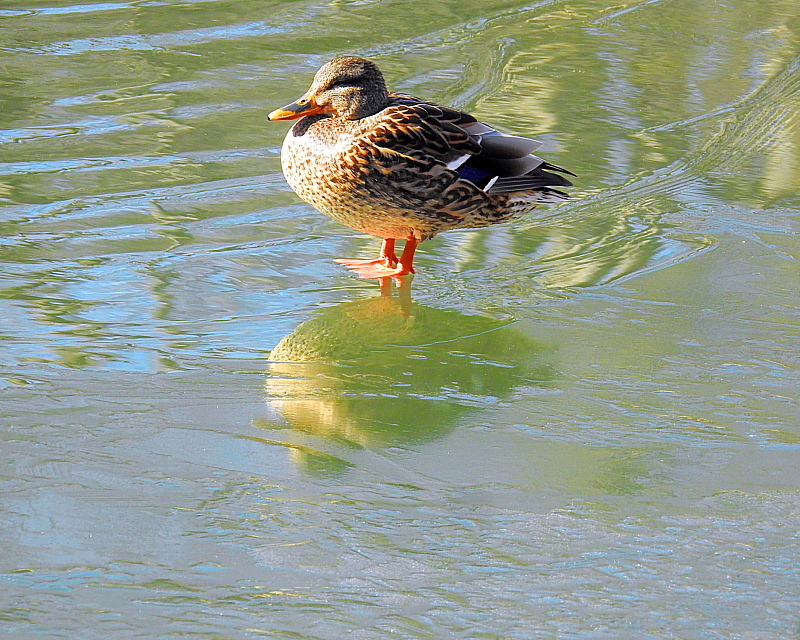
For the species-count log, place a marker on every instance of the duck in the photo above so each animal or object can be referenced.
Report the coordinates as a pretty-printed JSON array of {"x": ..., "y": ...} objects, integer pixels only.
[{"x": 403, "y": 168}]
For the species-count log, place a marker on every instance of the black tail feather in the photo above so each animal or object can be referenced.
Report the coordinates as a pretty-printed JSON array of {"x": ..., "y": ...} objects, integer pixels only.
[
  {"x": 536, "y": 179},
  {"x": 554, "y": 167}
]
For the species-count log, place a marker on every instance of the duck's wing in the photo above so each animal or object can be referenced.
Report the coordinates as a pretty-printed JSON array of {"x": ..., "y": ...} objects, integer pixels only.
[
  {"x": 507, "y": 164},
  {"x": 491, "y": 160},
  {"x": 417, "y": 125},
  {"x": 414, "y": 148}
]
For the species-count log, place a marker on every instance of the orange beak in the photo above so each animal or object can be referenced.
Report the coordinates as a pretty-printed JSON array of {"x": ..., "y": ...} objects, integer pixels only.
[{"x": 303, "y": 107}]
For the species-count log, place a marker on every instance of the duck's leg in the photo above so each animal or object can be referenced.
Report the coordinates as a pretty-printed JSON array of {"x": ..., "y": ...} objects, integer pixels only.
[
  {"x": 404, "y": 265},
  {"x": 406, "y": 262},
  {"x": 387, "y": 257}
]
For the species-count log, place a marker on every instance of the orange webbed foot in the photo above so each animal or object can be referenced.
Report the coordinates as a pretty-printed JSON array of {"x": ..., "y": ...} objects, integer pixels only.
[
  {"x": 358, "y": 264},
  {"x": 387, "y": 265},
  {"x": 378, "y": 270},
  {"x": 387, "y": 259}
]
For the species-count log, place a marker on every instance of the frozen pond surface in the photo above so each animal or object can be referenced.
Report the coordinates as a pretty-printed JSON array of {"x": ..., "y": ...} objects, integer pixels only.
[{"x": 581, "y": 425}]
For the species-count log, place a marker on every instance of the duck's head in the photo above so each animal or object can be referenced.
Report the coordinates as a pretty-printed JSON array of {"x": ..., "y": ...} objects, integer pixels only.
[{"x": 350, "y": 88}]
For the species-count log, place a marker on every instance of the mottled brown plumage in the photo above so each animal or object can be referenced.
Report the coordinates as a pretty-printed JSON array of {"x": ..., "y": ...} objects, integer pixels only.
[{"x": 398, "y": 167}]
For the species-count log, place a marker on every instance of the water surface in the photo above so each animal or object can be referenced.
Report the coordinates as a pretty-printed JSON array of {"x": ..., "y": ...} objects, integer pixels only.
[{"x": 580, "y": 425}]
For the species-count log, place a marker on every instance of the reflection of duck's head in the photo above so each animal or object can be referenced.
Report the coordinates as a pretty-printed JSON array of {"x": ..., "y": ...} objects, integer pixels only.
[{"x": 387, "y": 371}]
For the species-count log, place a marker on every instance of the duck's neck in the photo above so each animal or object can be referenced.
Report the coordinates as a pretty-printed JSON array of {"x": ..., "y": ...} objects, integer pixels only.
[{"x": 363, "y": 102}]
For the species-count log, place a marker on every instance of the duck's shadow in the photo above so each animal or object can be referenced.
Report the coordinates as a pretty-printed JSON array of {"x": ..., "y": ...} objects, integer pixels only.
[{"x": 386, "y": 371}]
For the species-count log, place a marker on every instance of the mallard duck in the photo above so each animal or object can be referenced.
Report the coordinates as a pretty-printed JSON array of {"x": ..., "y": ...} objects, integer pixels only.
[{"x": 399, "y": 167}]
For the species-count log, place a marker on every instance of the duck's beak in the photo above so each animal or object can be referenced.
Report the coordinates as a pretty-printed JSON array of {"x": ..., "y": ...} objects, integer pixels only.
[{"x": 303, "y": 107}]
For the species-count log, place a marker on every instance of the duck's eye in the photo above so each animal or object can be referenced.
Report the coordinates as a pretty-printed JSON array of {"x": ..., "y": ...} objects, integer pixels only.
[{"x": 339, "y": 84}]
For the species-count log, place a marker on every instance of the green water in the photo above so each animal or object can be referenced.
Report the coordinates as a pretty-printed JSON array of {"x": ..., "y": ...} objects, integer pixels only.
[{"x": 581, "y": 425}]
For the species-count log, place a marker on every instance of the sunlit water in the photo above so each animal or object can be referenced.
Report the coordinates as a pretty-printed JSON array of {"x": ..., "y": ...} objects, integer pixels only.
[{"x": 581, "y": 425}]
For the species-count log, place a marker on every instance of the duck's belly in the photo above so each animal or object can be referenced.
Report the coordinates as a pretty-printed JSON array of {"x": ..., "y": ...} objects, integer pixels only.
[{"x": 350, "y": 195}]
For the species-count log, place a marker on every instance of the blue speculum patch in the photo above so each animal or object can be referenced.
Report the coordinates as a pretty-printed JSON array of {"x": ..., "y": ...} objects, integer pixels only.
[{"x": 478, "y": 177}]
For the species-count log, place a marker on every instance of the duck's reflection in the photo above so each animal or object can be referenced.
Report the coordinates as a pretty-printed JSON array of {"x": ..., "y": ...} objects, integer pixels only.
[{"x": 386, "y": 371}]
